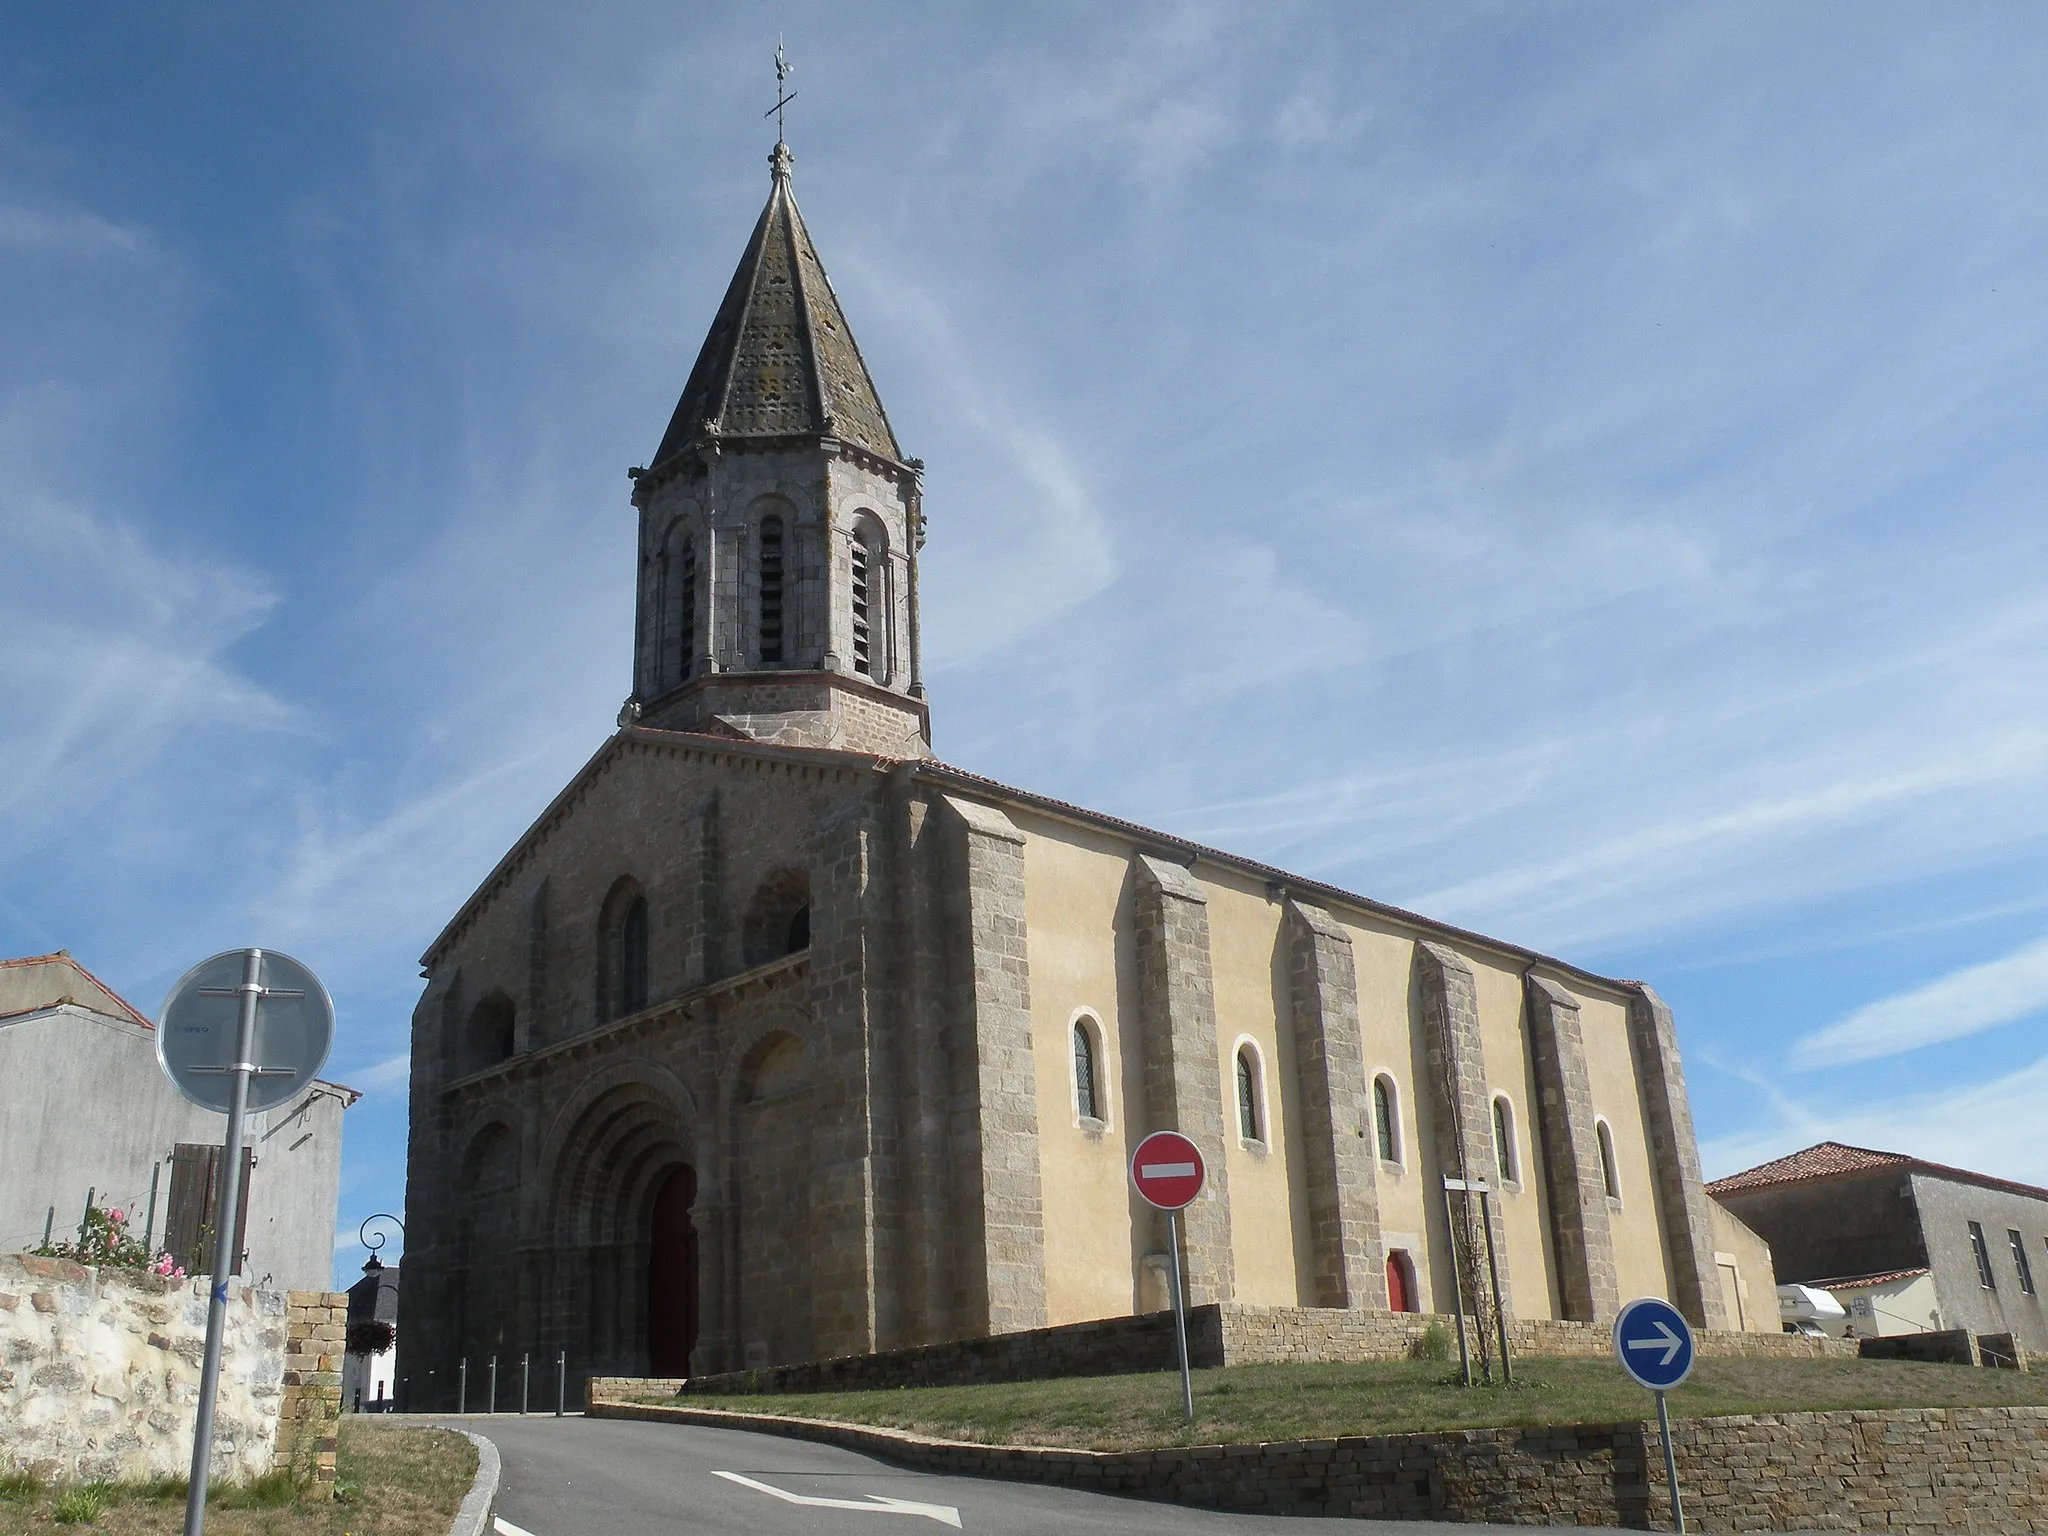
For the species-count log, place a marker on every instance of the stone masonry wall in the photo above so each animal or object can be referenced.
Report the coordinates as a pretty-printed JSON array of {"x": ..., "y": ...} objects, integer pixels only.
[
  {"x": 316, "y": 1331},
  {"x": 1227, "y": 1334},
  {"x": 99, "y": 1372},
  {"x": 1900, "y": 1470}
]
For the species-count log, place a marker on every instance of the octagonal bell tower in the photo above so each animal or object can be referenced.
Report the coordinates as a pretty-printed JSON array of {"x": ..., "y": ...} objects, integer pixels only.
[{"x": 780, "y": 524}]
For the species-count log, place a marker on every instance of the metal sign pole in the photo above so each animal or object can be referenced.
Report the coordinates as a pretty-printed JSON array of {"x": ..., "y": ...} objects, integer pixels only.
[
  {"x": 224, "y": 1241},
  {"x": 1180, "y": 1316},
  {"x": 561, "y": 1382},
  {"x": 1670, "y": 1466},
  {"x": 525, "y": 1361}
]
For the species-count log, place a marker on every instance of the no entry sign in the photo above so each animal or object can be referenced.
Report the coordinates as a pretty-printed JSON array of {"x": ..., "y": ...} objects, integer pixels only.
[{"x": 1167, "y": 1170}]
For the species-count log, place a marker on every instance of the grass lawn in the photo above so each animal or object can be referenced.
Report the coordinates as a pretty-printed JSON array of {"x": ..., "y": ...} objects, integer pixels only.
[
  {"x": 393, "y": 1480},
  {"x": 1250, "y": 1403}
]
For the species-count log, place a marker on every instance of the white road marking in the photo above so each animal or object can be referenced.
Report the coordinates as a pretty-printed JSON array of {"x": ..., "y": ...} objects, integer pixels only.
[
  {"x": 505, "y": 1527},
  {"x": 1167, "y": 1170},
  {"x": 881, "y": 1503}
]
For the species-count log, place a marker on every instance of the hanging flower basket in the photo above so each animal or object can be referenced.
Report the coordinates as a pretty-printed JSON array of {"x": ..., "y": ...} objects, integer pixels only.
[{"x": 370, "y": 1337}]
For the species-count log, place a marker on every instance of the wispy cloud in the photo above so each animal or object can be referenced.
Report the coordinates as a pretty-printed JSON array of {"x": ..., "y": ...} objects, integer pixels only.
[
  {"x": 1994, "y": 1126},
  {"x": 1964, "y": 1002}
]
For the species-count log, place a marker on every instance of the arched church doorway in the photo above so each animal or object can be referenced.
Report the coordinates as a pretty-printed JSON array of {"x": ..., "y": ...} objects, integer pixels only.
[{"x": 672, "y": 1291}]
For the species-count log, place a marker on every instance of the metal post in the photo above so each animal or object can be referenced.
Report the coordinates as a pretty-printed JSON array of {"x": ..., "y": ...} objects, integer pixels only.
[
  {"x": 49, "y": 1221},
  {"x": 1670, "y": 1466},
  {"x": 523, "y": 1362},
  {"x": 1457, "y": 1289},
  {"x": 492, "y": 1406},
  {"x": 561, "y": 1382},
  {"x": 224, "y": 1241},
  {"x": 1180, "y": 1317},
  {"x": 90, "y": 1191},
  {"x": 462, "y": 1395},
  {"x": 1500, "y": 1315},
  {"x": 149, "y": 1226}
]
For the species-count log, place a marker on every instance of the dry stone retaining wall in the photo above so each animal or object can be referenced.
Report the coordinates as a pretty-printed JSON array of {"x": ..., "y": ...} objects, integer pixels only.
[
  {"x": 1979, "y": 1469},
  {"x": 1229, "y": 1333},
  {"x": 99, "y": 1372}
]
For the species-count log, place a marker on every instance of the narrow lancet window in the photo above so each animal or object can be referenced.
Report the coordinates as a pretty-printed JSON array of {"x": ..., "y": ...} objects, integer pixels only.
[
  {"x": 1383, "y": 1120},
  {"x": 863, "y": 655},
  {"x": 1247, "y": 1096},
  {"x": 771, "y": 591},
  {"x": 633, "y": 958},
  {"x": 1085, "y": 1098},
  {"x": 685, "y": 577}
]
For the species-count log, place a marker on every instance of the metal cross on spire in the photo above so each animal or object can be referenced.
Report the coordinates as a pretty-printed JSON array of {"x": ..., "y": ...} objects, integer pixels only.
[{"x": 783, "y": 97}]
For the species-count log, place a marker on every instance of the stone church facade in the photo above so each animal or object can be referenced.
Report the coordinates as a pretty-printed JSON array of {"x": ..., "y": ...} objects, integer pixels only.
[{"x": 775, "y": 1038}]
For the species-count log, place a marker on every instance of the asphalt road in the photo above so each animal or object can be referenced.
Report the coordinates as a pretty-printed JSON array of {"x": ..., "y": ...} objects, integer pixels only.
[{"x": 616, "y": 1477}]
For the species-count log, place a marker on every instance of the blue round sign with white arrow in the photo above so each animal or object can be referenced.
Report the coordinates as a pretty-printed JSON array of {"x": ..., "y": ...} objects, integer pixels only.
[{"x": 1653, "y": 1342}]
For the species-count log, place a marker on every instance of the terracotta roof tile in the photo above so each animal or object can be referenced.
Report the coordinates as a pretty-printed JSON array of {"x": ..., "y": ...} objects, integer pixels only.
[
  {"x": 1838, "y": 1160},
  {"x": 1863, "y": 1282}
]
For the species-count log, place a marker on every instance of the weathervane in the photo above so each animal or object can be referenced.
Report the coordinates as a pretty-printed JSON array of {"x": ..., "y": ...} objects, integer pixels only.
[{"x": 783, "y": 70}]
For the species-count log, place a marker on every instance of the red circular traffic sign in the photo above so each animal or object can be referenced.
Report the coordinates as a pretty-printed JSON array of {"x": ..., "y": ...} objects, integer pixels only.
[{"x": 1167, "y": 1170}]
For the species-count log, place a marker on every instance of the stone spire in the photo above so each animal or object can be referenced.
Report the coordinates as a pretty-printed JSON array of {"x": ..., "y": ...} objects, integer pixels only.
[
  {"x": 780, "y": 525},
  {"x": 780, "y": 361}
]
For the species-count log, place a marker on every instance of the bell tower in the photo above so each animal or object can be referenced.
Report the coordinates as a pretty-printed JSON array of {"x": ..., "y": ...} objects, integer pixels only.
[{"x": 780, "y": 525}]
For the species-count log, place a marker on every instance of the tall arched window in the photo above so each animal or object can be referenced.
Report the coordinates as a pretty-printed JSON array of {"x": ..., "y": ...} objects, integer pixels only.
[
  {"x": 1247, "y": 1095},
  {"x": 633, "y": 958},
  {"x": 1086, "y": 1100},
  {"x": 1383, "y": 1120},
  {"x": 770, "y": 553},
  {"x": 1504, "y": 1139},
  {"x": 1609, "y": 1178},
  {"x": 863, "y": 607},
  {"x": 684, "y": 576}
]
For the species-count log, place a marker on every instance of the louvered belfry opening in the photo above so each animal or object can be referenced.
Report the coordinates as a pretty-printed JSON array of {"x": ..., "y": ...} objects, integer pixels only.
[
  {"x": 686, "y": 613},
  {"x": 863, "y": 656},
  {"x": 771, "y": 591}
]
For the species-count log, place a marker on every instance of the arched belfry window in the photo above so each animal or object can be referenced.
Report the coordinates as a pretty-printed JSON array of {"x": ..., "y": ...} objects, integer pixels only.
[
  {"x": 769, "y": 549},
  {"x": 1087, "y": 1097},
  {"x": 684, "y": 577},
  {"x": 633, "y": 957},
  {"x": 863, "y": 607},
  {"x": 1248, "y": 1127}
]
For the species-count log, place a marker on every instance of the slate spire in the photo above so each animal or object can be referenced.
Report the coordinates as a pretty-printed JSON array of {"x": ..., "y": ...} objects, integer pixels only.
[{"x": 780, "y": 361}]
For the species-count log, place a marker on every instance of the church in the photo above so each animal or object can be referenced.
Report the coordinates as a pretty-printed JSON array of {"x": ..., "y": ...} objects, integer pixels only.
[{"x": 776, "y": 1038}]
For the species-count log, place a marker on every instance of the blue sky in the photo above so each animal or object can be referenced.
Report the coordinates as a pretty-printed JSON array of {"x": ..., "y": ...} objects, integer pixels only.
[{"x": 1573, "y": 470}]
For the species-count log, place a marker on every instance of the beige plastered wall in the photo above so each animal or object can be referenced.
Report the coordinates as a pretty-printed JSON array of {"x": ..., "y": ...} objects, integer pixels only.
[
  {"x": 1641, "y": 1265},
  {"x": 1743, "y": 1261},
  {"x": 1078, "y": 888},
  {"x": 1076, "y": 891},
  {"x": 1268, "y": 1217}
]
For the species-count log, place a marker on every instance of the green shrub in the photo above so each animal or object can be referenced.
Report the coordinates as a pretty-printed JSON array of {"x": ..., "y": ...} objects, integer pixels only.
[
  {"x": 1433, "y": 1343},
  {"x": 81, "y": 1505}
]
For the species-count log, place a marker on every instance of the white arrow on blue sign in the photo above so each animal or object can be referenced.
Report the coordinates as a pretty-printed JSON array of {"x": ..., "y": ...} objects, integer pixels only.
[{"x": 1653, "y": 1342}]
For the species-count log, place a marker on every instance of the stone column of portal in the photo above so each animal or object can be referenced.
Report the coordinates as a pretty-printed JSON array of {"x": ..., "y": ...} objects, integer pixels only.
[
  {"x": 843, "y": 856},
  {"x": 1681, "y": 1194},
  {"x": 1583, "y": 1235},
  {"x": 1464, "y": 1118},
  {"x": 1183, "y": 1069},
  {"x": 1000, "y": 1210},
  {"x": 1349, "y": 1262}
]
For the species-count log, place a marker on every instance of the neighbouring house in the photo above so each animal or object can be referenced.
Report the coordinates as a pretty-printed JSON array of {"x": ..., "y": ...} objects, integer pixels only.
[
  {"x": 367, "y": 1373},
  {"x": 776, "y": 1038},
  {"x": 86, "y": 1112},
  {"x": 1906, "y": 1245}
]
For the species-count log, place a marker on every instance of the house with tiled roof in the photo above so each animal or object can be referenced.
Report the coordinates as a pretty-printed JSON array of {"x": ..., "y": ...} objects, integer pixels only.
[
  {"x": 87, "y": 1114},
  {"x": 1905, "y": 1244},
  {"x": 776, "y": 1038}
]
